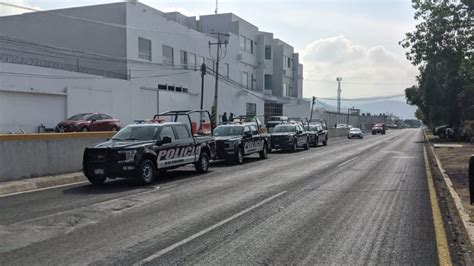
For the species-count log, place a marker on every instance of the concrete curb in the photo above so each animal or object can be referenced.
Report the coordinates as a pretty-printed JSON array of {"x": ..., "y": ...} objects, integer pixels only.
[
  {"x": 463, "y": 214},
  {"x": 25, "y": 185}
]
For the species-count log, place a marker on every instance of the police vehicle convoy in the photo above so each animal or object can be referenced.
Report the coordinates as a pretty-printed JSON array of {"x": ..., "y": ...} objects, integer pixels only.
[
  {"x": 289, "y": 137},
  {"x": 141, "y": 151},
  {"x": 234, "y": 141}
]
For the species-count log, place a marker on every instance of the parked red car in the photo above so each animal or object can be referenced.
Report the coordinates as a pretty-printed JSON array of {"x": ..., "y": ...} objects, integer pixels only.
[{"x": 89, "y": 122}]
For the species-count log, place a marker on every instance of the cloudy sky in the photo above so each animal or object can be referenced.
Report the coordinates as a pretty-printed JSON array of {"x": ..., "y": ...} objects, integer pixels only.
[{"x": 354, "y": 39}]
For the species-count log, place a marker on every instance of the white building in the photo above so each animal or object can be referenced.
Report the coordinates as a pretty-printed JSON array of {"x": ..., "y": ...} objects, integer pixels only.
[{"x": 132, "y": 61}]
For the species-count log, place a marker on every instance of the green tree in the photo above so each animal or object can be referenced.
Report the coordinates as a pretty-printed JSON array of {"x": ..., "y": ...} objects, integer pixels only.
[{"x": 442, "y": 48}]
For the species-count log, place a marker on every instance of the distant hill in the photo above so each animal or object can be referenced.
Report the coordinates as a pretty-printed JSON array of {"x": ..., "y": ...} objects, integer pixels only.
[{"x": 398, "y": 108}]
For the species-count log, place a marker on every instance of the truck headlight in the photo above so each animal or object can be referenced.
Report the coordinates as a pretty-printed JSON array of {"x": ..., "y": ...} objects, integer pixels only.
[{"x": 129, "y": 156}]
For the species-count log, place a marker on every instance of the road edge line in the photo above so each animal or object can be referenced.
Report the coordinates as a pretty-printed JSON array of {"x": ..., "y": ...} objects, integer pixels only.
[
  {"x": 207, "y": 230},
  {"x": 441, "y": 239}
]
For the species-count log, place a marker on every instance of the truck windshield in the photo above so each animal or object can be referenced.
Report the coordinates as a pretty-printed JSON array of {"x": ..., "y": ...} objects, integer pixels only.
[
  {"x": 284, "y": 129},
  {"x": 313, "y": 128},
  {"x": 228, "y": 131},
  {"x": 137, "y": 133}
]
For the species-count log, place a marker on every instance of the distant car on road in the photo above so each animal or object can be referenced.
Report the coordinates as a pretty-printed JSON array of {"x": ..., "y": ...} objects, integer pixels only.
[
  {"x": 355, "y": 133},
  {"x": 289, "y": 137},
  {"x": 234, "y": 141},
  {"x": 378, "y": 128},
  {"x": 89, "y": 122},
  {"x": 344, "y": 126}
]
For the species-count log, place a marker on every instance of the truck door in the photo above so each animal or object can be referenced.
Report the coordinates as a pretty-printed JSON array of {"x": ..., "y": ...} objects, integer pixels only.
[
  {"x": 186, "y": 148},
  {"x": 167, "y": 151}
]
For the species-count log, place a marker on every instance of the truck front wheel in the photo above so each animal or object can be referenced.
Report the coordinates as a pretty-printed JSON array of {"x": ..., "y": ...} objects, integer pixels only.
[{"x": 147, "y": 172}]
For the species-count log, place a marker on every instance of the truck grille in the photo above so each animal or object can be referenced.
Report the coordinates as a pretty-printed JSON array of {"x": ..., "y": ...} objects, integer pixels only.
[{"x": 220, "y": 148}]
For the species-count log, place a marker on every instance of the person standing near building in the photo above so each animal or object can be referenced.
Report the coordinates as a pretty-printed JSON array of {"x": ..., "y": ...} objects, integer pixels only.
[
  {"x": 224, "y": 118},
  {"x": 231, "y": 117}
]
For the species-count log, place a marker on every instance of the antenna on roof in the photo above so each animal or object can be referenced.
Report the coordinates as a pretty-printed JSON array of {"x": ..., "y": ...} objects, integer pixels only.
[{"x": 217, "y": 6}]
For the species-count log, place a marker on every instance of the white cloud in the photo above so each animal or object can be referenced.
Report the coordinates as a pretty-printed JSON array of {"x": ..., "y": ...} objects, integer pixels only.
[
  {"x": 6, "y": 10},
  {"x": 366, "y": 71}
]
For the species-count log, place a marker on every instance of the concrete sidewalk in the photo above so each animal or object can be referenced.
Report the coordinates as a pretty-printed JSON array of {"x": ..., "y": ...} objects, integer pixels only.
[{"x": 10, "y": 187}]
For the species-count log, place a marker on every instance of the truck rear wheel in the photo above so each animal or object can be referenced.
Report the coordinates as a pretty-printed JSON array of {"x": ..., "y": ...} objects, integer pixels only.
[
  {"x": 202, "y": 166},
  {"x": 325, "y": 141},
  {"x": 306, "y": 146},
  {"x": 264, "y": 152}
]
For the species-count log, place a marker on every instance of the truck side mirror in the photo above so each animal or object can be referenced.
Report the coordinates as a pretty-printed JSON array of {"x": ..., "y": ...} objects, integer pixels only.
[{"x": 164, "y": 140}]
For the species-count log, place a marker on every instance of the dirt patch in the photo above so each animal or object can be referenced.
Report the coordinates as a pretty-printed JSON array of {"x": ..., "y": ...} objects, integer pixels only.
[{"x": 455, "y": 162}]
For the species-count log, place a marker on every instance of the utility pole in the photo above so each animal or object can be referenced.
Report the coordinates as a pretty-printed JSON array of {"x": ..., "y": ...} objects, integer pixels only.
[
  {"x": 203, "y": 73},
  {"x": 338, "y": 79},
  {"x": 312, "y": 108},
  {"x": 219, "y": 43}
]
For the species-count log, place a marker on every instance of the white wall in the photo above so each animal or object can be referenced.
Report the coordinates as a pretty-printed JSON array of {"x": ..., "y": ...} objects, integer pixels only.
[{"x": 25, "y": 111}]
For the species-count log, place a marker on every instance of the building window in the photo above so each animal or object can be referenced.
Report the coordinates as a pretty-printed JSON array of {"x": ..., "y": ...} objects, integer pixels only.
[
  {"x": 192, "y": 61},
  {"x": 210, "y": 63},
  {"x": 144, "y": 48},
  {"x": 242, "y": 42},
  {"x": 245, "y": 44},
  {"x": 268, "y": 82},
  {"x": 226, "y": 70},
  {"x": 248, "y": 45},
  {"x": 251, "y": 81},
  {"x": 268, "y": 52},
  {"x": 251, "y": 109},
  {"x": 284, "y": 62},
  {"x": 162, "y": 87},
  {"x": 168, "y": 55},
  {"x": 245, "y": 80},
  {"x": 285, "y": 89},
  {"x": 184, "y": 59},
  {"x": 289, "y": 62}
]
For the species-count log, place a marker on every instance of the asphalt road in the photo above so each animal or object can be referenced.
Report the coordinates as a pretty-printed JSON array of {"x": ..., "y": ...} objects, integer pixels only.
[{"x": 352, "y": 202}]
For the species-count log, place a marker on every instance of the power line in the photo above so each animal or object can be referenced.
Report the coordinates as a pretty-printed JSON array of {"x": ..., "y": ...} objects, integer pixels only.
[
  {"x": 372, "y": 98},
  {"x": 75, "y": 53},
  {"x": 75, "y": 77}
]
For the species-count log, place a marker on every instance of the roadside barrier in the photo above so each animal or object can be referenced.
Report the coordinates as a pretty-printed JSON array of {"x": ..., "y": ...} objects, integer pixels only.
[{"x": 43, "y": 154}]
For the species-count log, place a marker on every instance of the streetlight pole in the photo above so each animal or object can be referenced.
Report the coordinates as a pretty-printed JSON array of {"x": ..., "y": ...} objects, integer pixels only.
[{"x": 338, "y": 79}]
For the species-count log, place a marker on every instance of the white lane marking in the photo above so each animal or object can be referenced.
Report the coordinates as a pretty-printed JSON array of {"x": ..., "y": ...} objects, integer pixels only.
[
  {"x": 347, "y": 162},
  {"x": 41, "y": 189},
  {"x": 207, "y": 230}
]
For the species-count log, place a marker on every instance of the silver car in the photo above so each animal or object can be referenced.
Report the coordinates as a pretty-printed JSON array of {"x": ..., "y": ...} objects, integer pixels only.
[{"x": 355, "y": 133}]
